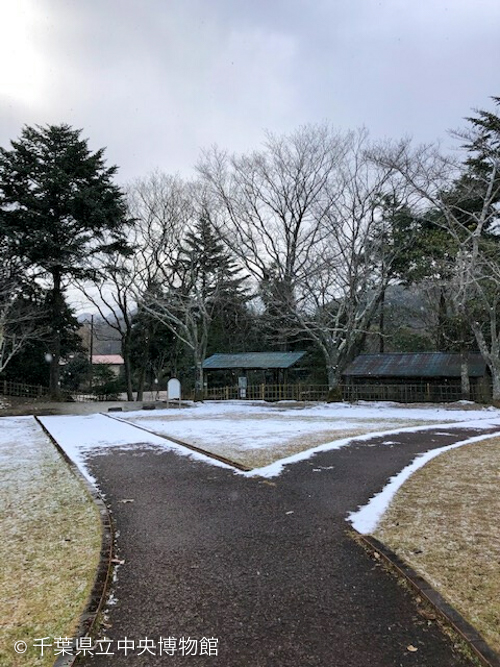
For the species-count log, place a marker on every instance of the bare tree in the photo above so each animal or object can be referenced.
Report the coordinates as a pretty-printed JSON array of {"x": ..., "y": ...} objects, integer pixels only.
[
  {"x": 349, "y": 269},
  {"x": 483, "y": 307},
  {"x": 272, "y": 203},
  {"x": 157, "y": 204},
  {"x": 301, "y": 215}
]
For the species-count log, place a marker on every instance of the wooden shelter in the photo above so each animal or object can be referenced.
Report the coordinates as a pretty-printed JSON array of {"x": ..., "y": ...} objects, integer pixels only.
[
  {"x": 262, "y": 365},
  {"x": 427, "y": 375}
]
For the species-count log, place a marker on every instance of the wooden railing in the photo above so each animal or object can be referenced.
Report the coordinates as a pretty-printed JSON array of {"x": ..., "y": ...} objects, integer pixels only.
[
  {"x": 20, "y": 389},
  {"x": 269, "y": 392},
  {"x": 399, "y": 393},
  {"x": 411, "y": 393}
]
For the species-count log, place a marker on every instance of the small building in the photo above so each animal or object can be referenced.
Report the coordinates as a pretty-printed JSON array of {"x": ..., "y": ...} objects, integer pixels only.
[
  {"x": 113, "y": 361},
  {"x": 422, "y": 376},
  {"x": 261, "y": 366}
]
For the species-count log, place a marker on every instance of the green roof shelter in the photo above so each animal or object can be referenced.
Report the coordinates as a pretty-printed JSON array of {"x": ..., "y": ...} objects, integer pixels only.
[{"x": 241, "y": 363}]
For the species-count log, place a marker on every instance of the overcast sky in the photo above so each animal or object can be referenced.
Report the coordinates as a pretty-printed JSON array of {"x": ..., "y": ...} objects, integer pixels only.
[{"x": 157, "y": 80}]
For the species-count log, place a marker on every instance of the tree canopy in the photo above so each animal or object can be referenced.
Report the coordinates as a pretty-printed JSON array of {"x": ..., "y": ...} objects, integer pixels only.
[{"x": 59, "y": 208}]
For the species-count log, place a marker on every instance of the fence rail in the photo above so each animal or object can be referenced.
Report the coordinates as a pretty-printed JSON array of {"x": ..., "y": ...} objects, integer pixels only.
[
  {"x": 269, "y": 392},
  {"x": 411, "y": 393},
  {"x": 400, "y": 393},
  {"x": 19, "y": 389},
  {"x": 22, "y": 390}
]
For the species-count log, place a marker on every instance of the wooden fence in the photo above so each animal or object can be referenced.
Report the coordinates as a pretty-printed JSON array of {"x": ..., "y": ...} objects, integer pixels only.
[
  {"x": 269, "y": 392},
  {"x": 19, "y": 389},
  {"x": 400, "y": 393},
  {"x": 22, "y": 390},
  {"x": 411, "y": 393}
]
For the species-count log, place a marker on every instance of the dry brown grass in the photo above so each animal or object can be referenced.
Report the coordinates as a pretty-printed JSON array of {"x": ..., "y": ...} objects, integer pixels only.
[
  {"x": 49, "y": 549},
  {"x": 444, "y": 522}
]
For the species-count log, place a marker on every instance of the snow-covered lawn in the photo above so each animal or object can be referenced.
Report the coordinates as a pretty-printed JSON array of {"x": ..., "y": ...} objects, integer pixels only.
[
  {"x": 50, "y": 544},
  {"x": 257, "y": 434}
]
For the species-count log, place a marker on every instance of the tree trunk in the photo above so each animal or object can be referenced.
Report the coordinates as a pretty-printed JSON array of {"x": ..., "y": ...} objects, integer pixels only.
[
  {"x": 127, "y": 367},
  {"x": 141, "y": 381},
  {"x": 490, "y": 356},
  {"x": 464, "y": 375},
  {"x": 55, "y": 347},
  {"x": 334, "y": 388},
  {"x": 442, "y": 316},
  {"x": 148, "y": 334},
  {"x": 198, "y": 384},
  {"x": 381, "y": 326},
  {"x": 495, "y": 377}
]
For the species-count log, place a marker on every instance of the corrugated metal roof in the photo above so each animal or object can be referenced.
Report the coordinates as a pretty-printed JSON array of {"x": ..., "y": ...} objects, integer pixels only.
[
  {"x": 422, "y": 364},
  {"x": 252, "y": 360}
]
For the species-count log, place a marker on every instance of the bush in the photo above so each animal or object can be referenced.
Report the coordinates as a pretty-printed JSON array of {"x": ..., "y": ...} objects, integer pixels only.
[
  {"x": 105, "y": 382},
  {"x": 334, "y": 395},
  {"x": 75, "y": 373}
]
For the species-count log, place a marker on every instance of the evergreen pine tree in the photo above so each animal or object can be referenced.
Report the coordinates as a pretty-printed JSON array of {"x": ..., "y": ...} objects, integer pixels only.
[
  {"x": 204, "y": 281},
  {"x": 58, "y": 209},
  {"x": 207, "y": 267}
]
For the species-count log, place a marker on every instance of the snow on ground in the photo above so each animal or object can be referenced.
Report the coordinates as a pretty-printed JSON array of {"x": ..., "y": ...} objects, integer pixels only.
[
  {"x": 265, "y": 437},
  {"x": 81, "y": 436},
  {"x": 361, "y": 410},
  {"x": 23, "y": 446},
  {"x": 366, "y": 518},
  {"x": 257, "y": 433},
  {"x": 284, "y": 433},
  {"x": 261, "y": 431}
]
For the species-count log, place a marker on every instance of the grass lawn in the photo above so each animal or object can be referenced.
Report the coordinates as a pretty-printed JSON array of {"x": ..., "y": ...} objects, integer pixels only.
[
  {"x": 51, "y": 537},
  {"x": 444, "y": 521},
  {"x": 264, "y": 434}
]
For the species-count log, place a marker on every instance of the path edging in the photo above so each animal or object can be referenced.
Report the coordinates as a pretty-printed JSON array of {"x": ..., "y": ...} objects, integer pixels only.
[
  {"x": 463, "y": 628},
  {"x": 97, "y": 595},
  {"x": 187, "y": 445}
]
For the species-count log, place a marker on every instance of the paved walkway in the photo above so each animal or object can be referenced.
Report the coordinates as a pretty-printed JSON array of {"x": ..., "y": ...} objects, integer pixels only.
[{"x": 267, "y": 567}]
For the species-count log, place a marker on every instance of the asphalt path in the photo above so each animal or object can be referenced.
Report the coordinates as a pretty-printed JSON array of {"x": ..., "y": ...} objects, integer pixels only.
[{"x": 264, "y": 571}]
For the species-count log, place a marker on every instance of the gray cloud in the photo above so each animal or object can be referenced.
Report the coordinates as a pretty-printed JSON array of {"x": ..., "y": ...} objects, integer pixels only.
[{"x": 156, "y": 81}]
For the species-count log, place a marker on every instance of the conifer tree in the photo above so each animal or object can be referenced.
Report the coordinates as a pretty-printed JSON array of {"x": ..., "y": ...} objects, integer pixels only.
[
  {"x": 59, "y": 208},
  {"x": 202, "y": 281}
]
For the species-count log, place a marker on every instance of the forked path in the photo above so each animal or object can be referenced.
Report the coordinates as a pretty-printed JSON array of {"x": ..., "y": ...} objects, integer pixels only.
[{"x": 266, "y": 567}]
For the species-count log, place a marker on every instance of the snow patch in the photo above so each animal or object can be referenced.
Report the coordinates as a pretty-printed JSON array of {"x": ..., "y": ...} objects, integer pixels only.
[{"x": 366, "y": 518}]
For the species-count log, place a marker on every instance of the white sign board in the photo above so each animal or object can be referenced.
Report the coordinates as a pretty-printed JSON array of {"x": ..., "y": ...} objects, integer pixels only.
[
  {"x": 242, "y": 384},
  {"x": 174, "y": 389}
]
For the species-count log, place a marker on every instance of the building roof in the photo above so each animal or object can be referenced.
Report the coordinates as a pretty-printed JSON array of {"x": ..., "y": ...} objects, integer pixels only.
[
  {"x": 252, "y": 360},
  {"x": 422, "y": 364},
  {"x": 111, "y": 359}
]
